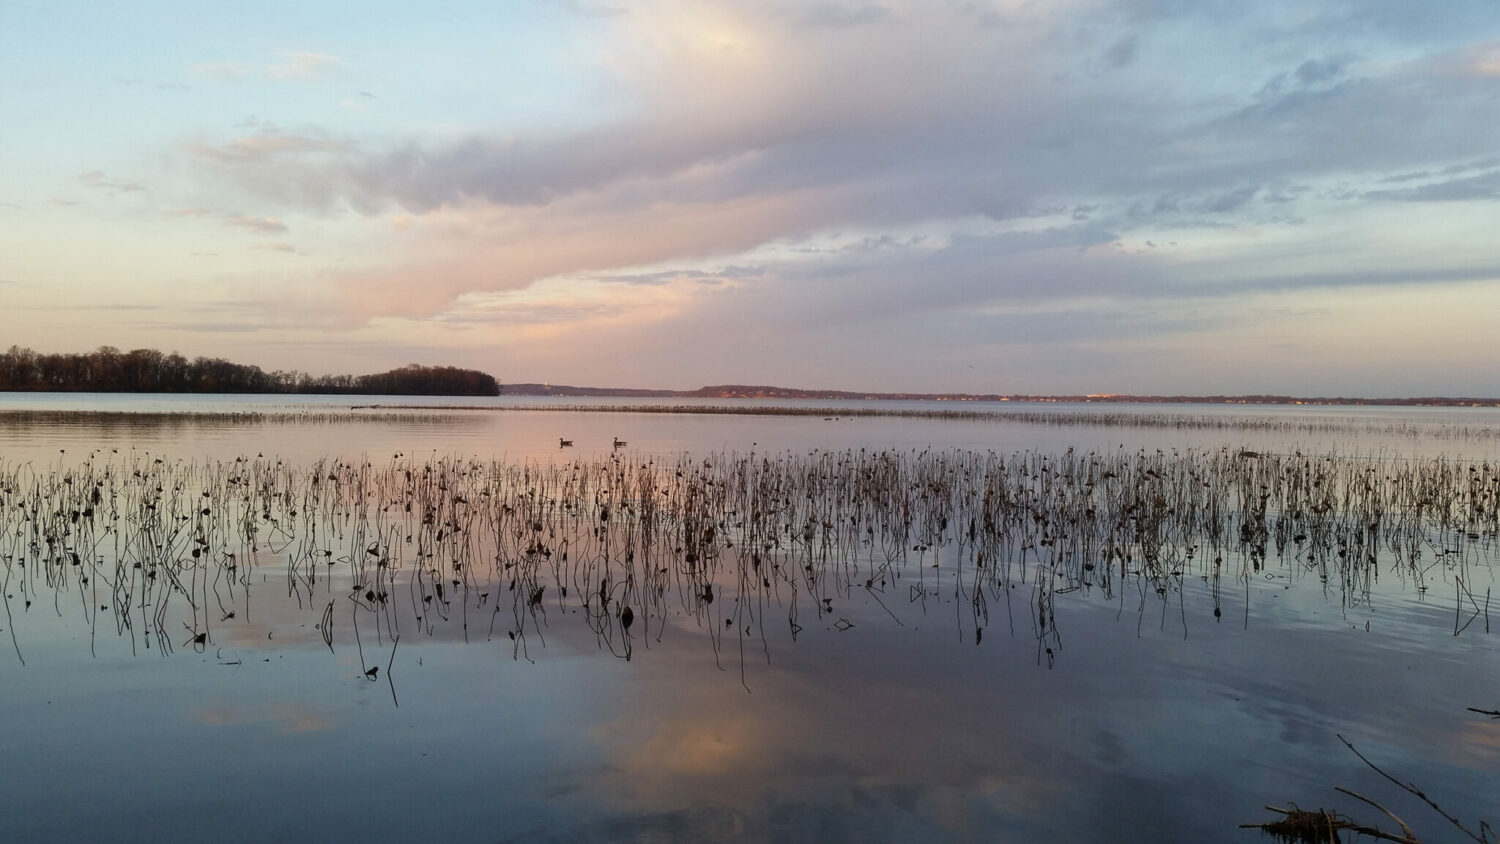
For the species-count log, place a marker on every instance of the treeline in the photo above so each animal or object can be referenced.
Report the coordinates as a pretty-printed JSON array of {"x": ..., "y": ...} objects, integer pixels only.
[{"x": 109, "y": 370}]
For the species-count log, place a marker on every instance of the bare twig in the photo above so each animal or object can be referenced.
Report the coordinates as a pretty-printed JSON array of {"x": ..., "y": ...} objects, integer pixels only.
[
  {"x": 1406, "y": 830},
  {"x": 1414, "y": 791}
]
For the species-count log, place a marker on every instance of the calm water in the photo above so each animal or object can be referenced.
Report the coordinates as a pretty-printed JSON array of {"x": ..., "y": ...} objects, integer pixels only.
[{"x": 1168, "y": 716}]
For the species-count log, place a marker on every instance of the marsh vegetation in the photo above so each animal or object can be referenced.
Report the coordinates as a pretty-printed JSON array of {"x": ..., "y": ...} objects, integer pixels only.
[{"x": 745, "y": 545}]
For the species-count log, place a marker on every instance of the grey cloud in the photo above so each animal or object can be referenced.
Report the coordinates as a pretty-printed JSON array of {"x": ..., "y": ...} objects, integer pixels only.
[
  {"x": 1250, "y": 282},
  {"x": 1411, "y": 119},
  {"x": 1405, "y": 177},
  {"x": 1233, "y": 200},
  {"x": 666, "y": 276},
  {"x": 1308, "y": 74},
  {"x": 947, "y": 156},
  {"x": 1178, "y": 205},
  {"x": 1280, "y": 194},
  {"x": 975, "y": 272},
  {"x": 1471, "y": 188},
  {"x": 652, "y": 279},
  {"x": 883, "y": 243},
  {"x": 1313, "y": 71},
  {"x": 970, "y": 271},
  {"x": 1403, "y": 22},
  {"x": 736, "y": 271},
  {"x": 1292, "y": 22},
  {"x": 997, "y": 131},
  {"x": 1466, "y": 166},
  {"x": 1122, "y": 52}
]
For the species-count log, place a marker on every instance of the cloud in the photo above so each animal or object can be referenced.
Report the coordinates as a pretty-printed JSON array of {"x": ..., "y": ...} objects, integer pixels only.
[
  {"x": 875, "y": 163},
  {"x": 1122, "y": 52},
  {"x": 288, "y": 66},
  {"x": 666, "y": 276},
  {"x": 298, "y": 65},
  {"x": 1482, "y": 187},
  {"x": 267, "y": 148},
  {"x": 1191, "y": 209},
  {"x": 1313, "y": 71},
  {"x": 259, "y": 225},
  {"x": 98, "y": 180}
]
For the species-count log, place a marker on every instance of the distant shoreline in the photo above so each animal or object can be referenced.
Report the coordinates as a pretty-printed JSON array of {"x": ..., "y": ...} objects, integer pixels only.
[{"x": 740, "y": 391}]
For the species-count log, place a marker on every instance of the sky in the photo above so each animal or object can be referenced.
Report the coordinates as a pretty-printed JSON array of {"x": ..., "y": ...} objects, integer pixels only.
[{"x": 993, "y": 196}]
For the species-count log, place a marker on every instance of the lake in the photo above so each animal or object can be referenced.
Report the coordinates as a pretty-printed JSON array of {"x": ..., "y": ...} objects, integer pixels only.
[{"x": 392, "y": 618}]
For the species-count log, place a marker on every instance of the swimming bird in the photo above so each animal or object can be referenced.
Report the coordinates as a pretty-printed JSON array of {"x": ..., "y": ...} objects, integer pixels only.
[
  {"x": 619, "y": 443},
  {"x": 562, "y": 443}
]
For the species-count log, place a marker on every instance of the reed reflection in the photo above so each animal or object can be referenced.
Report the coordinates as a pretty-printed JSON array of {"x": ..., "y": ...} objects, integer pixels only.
[{"x": 747, "y": 549}]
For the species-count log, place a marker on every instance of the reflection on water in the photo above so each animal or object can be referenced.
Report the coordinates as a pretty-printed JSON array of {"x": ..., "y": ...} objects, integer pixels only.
[
  {"x": 306, "y": 428},
  {"x": 858, "y": 644}
]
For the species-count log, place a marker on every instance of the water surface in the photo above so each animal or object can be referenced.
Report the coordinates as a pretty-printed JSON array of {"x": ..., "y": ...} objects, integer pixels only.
[{"x": 1168, "y": 708}]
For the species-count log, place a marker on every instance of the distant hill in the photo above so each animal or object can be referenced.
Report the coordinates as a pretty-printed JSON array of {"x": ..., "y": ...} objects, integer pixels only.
[{"x": 744, "y": 391}]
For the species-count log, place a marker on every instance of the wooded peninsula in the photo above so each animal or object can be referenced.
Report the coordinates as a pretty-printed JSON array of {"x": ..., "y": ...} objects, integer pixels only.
[{"x": 109, "y": 370}]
